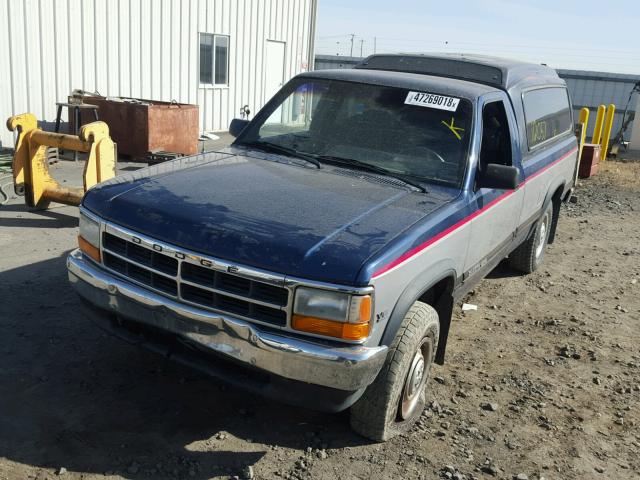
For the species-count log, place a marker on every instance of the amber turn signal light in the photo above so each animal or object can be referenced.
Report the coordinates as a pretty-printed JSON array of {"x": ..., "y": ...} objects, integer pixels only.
[
  {"x": 365, "y": 309},
  {"x": 88, "y": 249},
  {"x": 320, "y": 326}
]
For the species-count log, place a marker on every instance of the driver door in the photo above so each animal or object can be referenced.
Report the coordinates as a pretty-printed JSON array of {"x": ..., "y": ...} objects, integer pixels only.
[{"x": 496, "y": 211}]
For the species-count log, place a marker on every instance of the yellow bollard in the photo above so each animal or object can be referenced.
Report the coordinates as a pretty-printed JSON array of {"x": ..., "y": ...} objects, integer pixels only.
[
  {"x": 584, "y": 115},
  {"x": 597, "y": 130},
  {"x": 583, "y": 119},
  {"x": 606, "y": 134}
]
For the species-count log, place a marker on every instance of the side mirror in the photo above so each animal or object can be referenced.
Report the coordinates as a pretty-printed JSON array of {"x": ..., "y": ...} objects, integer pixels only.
[
  {"x": 503, "y": 177},
  {"x": 237, "y": 125}
]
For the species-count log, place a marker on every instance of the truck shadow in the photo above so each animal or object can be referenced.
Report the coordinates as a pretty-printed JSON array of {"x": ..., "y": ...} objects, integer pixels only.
[
  {"x": 19, "y": 215},
  {"x": 77, "y": 398},
  {"x": 503, "y": 270}
]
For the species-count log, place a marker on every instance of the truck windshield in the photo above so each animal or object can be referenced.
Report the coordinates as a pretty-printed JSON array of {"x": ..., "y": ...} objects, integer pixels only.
[{"x": 421, "y": 135}]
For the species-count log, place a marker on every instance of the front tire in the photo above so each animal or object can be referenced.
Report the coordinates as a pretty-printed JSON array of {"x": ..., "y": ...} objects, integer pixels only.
[
  {"x": 528, "y": 256},
  {"x": 396, "y": 398}
]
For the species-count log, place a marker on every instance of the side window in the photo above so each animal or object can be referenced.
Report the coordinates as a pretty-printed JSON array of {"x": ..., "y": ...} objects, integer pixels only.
[
  {"x": 496, "y": 138},
  {"x": 547, "y": 113},
  {"x": 214, "y": 59}
]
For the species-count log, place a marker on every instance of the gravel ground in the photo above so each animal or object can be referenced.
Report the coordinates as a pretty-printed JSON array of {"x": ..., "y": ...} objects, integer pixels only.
[{"x": 542, "y": 381}]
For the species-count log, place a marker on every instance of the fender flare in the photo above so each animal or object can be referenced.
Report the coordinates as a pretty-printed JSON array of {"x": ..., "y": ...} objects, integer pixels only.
[
  {"x": 545, "y": 204},
  {"x": 560, "y": 183},
  {"x": 414, "y": 290}
]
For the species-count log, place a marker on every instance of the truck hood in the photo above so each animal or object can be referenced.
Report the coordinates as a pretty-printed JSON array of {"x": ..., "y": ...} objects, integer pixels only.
[{"x": 266, "y": 211}]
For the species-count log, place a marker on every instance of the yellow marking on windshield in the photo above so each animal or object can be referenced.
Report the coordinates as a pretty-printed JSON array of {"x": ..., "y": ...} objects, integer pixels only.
[{"x": 454, "y": 129}]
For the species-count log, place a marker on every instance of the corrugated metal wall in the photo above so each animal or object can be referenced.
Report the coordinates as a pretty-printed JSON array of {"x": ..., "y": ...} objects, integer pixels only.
[
  {"x": 145, "y": 49},
  {"x": 590, "y": 89}
]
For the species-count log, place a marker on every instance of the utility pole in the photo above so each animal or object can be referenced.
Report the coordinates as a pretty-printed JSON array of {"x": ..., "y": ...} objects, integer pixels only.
[
  {"x": 375, "y": 41},
  {"x": 361, "y": 42},
  {"x": 352, "y": 37}
]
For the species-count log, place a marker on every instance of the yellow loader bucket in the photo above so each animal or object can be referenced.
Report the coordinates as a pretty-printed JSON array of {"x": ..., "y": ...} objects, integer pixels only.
[{"x": 31, "y": 175}]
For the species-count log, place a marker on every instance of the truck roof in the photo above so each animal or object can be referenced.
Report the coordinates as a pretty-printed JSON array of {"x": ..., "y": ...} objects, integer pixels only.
[
  {"x": 410, "y": 81},
  {"x": 498, "y": 72}
]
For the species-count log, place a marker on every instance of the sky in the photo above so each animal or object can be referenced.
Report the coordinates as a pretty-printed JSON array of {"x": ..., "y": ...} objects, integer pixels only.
[{"x": 581, "y": 35}]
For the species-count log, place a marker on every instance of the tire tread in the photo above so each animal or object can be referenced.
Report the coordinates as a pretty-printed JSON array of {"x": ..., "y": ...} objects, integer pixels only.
[
  {"x": 523, "y": 258},
  {"x": 369, "y": 416}
]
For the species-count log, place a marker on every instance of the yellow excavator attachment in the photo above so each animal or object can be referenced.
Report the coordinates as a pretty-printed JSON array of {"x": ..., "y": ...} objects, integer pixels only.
[{"x": 31, "y": 175}]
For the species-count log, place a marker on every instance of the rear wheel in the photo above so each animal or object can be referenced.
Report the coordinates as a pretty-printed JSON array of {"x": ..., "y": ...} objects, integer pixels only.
[
  {"x": 528, "y": 256},
  {"x": 396, "y": 399}
]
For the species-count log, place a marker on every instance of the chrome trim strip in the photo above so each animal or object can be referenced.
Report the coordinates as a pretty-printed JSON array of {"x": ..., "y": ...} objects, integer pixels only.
[
  {"x": 91, "y": 215},
  {"x": 292, "y": 282},
  {"x": 348, "y": 367}
]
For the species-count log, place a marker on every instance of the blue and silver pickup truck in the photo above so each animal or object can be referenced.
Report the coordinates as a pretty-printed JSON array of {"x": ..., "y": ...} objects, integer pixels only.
[{"x": 318, "y": 258}]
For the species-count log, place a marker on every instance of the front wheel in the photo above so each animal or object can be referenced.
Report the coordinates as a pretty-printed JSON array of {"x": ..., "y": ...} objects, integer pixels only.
[
  {"x": 528, "y": 256},
  {"x": 396, "y": 398}
]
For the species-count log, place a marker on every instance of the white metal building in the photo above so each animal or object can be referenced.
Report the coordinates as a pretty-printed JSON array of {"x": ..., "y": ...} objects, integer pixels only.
[{"x": 219, "y": 54}]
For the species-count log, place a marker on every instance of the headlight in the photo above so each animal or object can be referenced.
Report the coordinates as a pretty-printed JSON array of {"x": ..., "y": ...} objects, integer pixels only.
[
  {"x": 333, "y": 314},
  {"x": 89, "y": 238}
]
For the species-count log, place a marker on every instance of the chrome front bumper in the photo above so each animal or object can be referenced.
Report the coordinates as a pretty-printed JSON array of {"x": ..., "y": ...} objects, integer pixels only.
[{"x": 349, "y": 367}]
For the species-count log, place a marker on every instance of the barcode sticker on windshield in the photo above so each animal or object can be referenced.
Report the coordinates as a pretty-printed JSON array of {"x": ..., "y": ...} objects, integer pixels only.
[{"x": 432, "y": 100}]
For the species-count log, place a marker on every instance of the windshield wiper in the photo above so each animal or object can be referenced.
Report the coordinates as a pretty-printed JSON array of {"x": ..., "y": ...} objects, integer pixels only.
[
  {"x": 289, "y": 152},
  {"x": 372, "y": 168}
]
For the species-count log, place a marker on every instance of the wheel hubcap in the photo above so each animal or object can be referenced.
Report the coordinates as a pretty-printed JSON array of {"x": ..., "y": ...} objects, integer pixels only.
[
  {"x": 416, "y": 379},
  {"x": 543, "y": 236}
]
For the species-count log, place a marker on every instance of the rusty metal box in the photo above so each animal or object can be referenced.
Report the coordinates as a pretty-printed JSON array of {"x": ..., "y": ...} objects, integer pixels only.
[
  {"x": 141, "y": 126},
  {"x": 589, "y": 160}
]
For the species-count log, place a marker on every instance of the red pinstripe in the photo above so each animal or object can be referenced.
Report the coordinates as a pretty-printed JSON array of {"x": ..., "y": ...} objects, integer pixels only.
[{"x": 414, "y": 251}]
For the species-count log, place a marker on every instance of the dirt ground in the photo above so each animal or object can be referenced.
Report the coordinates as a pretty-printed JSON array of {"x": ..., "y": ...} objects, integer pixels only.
[{"x": 542, "y": 381}]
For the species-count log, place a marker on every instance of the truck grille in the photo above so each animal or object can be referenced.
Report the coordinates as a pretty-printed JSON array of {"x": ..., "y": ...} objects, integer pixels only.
[{"x": 196, "y": 284}]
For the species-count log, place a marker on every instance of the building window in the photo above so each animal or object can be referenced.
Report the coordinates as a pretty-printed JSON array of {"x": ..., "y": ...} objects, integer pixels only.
[{"x": 214, "y": 59}]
